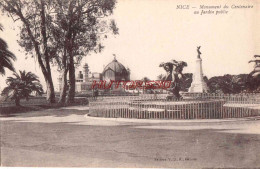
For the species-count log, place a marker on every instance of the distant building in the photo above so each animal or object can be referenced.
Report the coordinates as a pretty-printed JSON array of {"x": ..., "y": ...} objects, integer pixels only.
[
  {"x": 116, "y": 71},
  {"x": 113, "y": 71}
]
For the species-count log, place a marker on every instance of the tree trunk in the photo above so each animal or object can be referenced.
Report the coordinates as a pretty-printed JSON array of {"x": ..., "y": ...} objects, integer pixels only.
[
  {"x": 50, "y": 88},
  {"x": 45, "y": 69},
  {"x": 64, "y": 83},
  {"x": 72, "y": 81},
  {"x": 64, "y": 87},
  {"x": 17, "y": 102},
  {"x": 50, "y": 97}
]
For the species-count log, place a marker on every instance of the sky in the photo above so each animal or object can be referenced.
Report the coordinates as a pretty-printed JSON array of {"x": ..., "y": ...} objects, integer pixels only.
[{"x": 154, "y": 31}]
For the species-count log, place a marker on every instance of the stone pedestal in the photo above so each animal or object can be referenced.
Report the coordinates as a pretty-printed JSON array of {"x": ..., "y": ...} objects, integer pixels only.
[{"x": 198, "y": 85}]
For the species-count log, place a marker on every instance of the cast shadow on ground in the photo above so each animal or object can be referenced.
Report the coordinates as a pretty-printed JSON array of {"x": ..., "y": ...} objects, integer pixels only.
[{"x": 37, "y": 111}]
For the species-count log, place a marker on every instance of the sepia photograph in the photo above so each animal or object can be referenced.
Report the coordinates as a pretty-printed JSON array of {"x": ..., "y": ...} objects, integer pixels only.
[{"x": 130, "y": 83}]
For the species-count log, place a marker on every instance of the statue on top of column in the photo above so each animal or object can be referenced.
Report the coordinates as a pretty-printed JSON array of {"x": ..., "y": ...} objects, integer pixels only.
[{"x": 198, "y": 50}]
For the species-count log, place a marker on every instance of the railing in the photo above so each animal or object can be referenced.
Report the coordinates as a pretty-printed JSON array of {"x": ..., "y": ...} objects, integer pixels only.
[
  {"x": 230, "y": 98},
  {"x": 203, "y": 106}
]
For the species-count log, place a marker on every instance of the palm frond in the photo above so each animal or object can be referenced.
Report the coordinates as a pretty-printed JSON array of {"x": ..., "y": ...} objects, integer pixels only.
[
  {"x": 22, "y": 85},
  {"x": 6, "y": 56}
]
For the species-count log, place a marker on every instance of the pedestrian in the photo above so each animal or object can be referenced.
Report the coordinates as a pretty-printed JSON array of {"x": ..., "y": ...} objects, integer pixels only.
[{"x": 95, "y": 93}]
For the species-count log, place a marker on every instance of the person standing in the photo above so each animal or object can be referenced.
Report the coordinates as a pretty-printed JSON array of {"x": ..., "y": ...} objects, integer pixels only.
[{"x": 95, "y": 93}]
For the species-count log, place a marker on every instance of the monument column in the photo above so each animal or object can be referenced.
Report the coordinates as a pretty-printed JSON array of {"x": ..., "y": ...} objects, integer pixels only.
[{"x": 198, "y": 84}]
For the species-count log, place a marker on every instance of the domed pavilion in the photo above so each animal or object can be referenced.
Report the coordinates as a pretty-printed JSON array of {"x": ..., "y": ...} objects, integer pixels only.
[
  {"x": 113, "y": 71},
  {"x": 116, "y": 71}
]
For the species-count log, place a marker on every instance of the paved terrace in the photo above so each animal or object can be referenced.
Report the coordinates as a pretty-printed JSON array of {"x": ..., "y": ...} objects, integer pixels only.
[{"x": 66, "y": 137}]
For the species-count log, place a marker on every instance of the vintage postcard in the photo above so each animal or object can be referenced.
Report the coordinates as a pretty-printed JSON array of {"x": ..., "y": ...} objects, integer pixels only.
[{"x": 130, "y": 83}]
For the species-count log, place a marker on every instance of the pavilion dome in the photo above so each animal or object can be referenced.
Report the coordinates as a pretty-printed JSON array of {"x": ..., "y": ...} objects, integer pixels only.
[{"x": 115, "y": 71}]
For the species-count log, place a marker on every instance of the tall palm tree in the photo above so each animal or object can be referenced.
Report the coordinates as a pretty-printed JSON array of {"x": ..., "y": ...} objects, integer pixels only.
[
  {"x": 6, "y": 56},
  {"x": 254, "y": 76},
  {"x": 256, "y": 72},
  {"x": 21, "y": 86}
]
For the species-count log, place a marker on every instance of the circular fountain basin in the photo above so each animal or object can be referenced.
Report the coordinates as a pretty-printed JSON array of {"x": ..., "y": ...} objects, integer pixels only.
[{"x": 162, "y": 109}]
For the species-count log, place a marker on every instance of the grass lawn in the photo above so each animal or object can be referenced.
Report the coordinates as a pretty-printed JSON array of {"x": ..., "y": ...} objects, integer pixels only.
[{"x": 33, "y": 104}]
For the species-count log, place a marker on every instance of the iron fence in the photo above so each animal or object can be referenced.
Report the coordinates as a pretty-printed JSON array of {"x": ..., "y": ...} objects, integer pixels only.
[{"x": 193, "y": 106}]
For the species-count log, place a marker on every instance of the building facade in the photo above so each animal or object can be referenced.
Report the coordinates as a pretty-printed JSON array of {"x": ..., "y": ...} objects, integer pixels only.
[{"x": 113, "y": 71}]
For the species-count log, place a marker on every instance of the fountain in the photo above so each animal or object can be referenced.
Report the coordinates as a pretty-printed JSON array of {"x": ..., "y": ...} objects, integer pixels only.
[{"x": 199, "y": 105}]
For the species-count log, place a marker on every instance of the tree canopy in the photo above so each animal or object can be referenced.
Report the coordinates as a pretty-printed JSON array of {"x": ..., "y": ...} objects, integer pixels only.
[
  {"x": 21, "y": 86},
  {"x": 6, "y": 56},
  {"x": 61, "y": 32}
]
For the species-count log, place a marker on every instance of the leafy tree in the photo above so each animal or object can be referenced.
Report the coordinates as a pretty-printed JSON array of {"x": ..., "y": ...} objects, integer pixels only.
[
  {"x": 82, "y": 27},
  {"x": 6, "y": 56},
  {"x": 237, "y": 83},
  {"x": 61, "y": 32},
  {"x": 228, "y": 84},
  {"x": 35, "y": 37},
  {"x": 185, "y": 81},
  {"x": 21, "y": 86},
  {"x": 253, "y": 80},
  {"x": 145, "y": 79}
]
